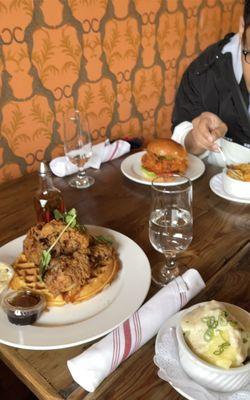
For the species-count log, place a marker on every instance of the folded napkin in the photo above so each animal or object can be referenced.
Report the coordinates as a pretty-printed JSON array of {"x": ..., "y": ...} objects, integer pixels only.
[
  {"x": 98, "y": 361},
  {"x": 102, "y": 152},
  {"x": 170, "y": 370}
]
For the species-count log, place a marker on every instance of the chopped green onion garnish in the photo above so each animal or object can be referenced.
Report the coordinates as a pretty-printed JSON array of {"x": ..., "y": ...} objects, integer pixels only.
[
  {"x": 209, "y": 334},
  {"x": 221, "y": 348}
]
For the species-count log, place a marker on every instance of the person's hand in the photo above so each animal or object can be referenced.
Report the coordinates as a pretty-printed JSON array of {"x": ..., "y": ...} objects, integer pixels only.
[{"x": 207, "y": 128}]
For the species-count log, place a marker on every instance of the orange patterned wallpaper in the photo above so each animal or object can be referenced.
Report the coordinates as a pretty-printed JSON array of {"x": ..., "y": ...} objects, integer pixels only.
[{"x": 119, "y": 60}]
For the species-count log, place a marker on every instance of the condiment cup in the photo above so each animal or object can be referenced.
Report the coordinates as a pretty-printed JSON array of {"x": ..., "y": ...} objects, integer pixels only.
[
  {"x": 210, "y": 376},
  {"x": 235, "y": 187},
  {"x": 23, "y": 307}
]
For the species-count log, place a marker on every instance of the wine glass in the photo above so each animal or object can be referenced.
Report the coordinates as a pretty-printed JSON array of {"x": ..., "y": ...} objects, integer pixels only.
[
  {"x": 170, "y": 223},
  {"x": 77, "y": 146}
]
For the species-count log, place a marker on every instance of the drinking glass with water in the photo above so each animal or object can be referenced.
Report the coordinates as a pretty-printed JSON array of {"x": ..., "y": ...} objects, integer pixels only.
[{"x": 170, "y": 223}]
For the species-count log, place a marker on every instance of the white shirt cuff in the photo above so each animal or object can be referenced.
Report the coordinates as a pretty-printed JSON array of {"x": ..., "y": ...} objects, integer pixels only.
[{"x": 181, "y": 131}]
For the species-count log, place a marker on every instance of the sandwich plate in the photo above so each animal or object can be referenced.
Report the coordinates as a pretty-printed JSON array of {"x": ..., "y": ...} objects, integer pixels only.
[
  {"x": 74, "y": 324},
  {"x": 131, "y": 168}
]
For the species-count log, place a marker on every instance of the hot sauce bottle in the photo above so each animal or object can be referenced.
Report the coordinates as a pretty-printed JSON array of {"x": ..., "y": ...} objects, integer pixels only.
[{"x": 48, "y": 198}]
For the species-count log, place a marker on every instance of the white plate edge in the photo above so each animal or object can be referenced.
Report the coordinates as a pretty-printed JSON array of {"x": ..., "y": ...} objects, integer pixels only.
[
  {"x": 99, "y": 335},
  {"x": 148, "y": 182},
  {"x": 223, "y": 194}
]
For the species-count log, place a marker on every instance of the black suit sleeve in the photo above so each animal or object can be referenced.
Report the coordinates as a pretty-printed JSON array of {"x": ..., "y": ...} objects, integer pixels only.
[{"x": 188, "y": 102}]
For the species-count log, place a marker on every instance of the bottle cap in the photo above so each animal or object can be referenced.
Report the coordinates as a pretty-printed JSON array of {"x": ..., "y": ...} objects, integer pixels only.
[{"x": 43, "y": 168}]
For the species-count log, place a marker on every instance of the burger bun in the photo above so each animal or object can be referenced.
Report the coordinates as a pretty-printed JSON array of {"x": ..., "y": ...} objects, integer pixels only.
[{"x": 166, "y": 148}]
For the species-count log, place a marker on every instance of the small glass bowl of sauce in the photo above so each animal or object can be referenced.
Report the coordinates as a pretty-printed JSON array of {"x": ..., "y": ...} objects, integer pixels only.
[{"x": 23, "y": 307}]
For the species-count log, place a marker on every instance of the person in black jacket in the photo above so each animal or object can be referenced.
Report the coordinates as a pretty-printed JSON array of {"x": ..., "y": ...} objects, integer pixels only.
[{"x": 212, "y": 101}]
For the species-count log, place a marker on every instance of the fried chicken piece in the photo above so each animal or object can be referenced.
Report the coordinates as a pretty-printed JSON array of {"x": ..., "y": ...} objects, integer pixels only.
[
  {"x": 66, "y": 273},
  {"x": 160, "y": 165},
  {"x": 33, "y": 246},
  {"x": 100, "y": 253},
  {"x": 76, "y": 258},
  {"x": 42, "y": 236}
]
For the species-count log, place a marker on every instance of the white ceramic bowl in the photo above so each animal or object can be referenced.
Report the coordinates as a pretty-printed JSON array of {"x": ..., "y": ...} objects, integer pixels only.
[
  {"x": 210, "y": 376},
  {"x": 235, "y": 187}
]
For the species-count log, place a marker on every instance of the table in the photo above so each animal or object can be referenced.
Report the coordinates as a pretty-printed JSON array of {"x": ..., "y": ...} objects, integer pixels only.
[{"x": 220, "y": 251}]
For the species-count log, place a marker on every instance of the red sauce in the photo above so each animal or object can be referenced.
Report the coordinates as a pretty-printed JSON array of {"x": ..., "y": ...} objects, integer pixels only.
[{"x": 24, "y": 300}]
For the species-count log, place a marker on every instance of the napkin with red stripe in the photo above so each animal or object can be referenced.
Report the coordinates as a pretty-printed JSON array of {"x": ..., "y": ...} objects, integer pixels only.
[
  {"x": 98, "y": 361},
  {"x": 102, "y": 152}
]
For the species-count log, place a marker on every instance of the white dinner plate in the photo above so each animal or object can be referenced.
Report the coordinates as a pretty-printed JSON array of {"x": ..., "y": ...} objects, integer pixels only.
[
  {"x": 73, "y": 324},
  {"x": 171, "y": 323},
  {"x": 216, "y": 186},
  {"x": 131, "y": 168}
]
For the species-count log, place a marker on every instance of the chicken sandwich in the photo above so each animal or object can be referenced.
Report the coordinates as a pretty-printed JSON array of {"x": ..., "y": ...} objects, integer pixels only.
[{"x": 164, "y": 156}]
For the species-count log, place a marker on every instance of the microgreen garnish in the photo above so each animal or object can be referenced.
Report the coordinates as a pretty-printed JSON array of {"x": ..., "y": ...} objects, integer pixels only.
[
  {"x": 45, "y": 260},
  {"x": 103, "y": 239},
  {"x": 58, "y": 215},
  {"x": 46, "y": 255},
  {"x": 65, "y": 217}
]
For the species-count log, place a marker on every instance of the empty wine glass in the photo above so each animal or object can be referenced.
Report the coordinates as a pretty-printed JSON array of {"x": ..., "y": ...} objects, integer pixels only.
[
  {"x": 78, "y": 146},
  {"x": 170, "y": 223}
]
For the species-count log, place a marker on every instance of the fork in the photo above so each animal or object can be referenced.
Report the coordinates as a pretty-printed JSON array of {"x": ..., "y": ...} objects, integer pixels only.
[{"x": 223, "y": 156}]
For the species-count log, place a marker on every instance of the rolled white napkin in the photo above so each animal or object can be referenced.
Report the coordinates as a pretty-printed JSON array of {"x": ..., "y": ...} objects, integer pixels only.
[
  {"x": 102, "y": 152},
  {"x": 98, "y": 361}
]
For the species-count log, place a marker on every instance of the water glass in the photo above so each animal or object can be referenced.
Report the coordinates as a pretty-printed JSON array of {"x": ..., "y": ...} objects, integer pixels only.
[{"x": 170, "y": 223}]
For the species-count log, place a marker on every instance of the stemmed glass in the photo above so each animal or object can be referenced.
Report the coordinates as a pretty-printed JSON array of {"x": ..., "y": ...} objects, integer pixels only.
[
  {"x": 170, "y": 223},
  {"x": 77, "y": 146}
]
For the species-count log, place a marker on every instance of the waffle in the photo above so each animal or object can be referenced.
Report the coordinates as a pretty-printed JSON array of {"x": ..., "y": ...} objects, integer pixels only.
[{"x": 26, "y": 276}]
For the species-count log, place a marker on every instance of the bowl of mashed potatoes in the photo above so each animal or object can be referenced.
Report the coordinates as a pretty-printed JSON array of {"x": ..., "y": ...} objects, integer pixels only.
[
  {"x": 236, "y": 180},
  {"x": 214, "y": 345}
]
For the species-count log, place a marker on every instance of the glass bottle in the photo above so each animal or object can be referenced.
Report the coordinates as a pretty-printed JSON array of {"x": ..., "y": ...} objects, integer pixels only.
[{"x": 48, "y": 198}]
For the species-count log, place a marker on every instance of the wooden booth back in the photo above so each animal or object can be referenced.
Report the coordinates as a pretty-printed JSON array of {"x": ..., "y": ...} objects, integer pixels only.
[{"x": 118, "y": 60}]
